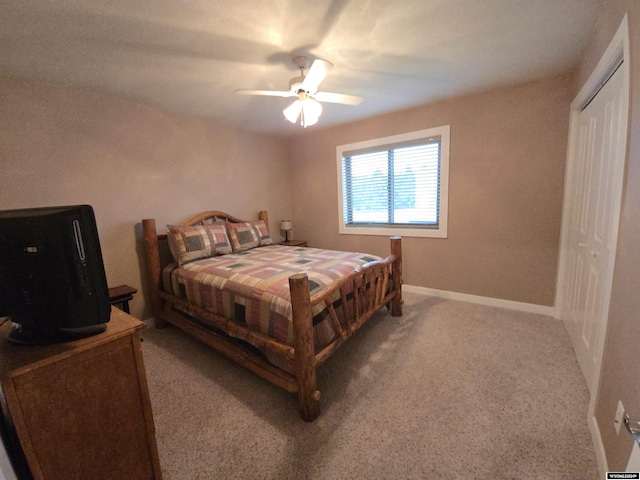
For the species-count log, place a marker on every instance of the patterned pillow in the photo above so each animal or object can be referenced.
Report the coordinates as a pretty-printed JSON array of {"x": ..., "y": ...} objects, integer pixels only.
[
  {"x": 263, "y": 232},
  {"x": 223, "y": 245},
  {"x": 243, "y": 236},
  {"x": 201, "y": 241}
]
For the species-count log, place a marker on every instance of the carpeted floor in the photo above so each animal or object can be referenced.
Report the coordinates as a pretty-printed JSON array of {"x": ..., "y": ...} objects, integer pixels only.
[{"x": 449, "y": 390}]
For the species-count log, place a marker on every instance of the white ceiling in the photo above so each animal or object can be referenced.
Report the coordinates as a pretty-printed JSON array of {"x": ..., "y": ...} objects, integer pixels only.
[{"x": 191, "y": 55}]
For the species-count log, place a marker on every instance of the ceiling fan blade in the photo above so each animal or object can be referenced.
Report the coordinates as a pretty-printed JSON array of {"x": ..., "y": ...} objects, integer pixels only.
[
  {"x": 315, "y": 76},
  {"x": 270, "y": 93},
  {"x": 338, "y": 98}
]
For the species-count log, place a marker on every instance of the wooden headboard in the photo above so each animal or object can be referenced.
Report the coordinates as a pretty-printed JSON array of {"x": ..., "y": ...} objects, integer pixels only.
[{"x": 216, "y": 216}]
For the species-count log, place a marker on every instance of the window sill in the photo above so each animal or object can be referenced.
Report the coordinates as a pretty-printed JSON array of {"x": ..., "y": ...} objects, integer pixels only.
[{"x": 403, "y": 232}]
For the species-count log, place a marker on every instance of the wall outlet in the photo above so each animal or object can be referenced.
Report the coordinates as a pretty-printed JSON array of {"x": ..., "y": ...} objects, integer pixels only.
[{"x": 617, "y": 422}]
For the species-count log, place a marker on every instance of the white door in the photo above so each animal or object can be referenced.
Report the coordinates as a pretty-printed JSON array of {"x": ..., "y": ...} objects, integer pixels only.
[{"x": 594, "y": 210}]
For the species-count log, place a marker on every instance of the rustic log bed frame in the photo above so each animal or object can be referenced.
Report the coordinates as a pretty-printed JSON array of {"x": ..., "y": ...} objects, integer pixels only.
[{"x": 374, "y": 285}]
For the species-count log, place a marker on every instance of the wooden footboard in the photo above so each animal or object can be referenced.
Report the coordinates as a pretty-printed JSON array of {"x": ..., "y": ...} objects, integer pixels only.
[
  {"x": 373, "y": 286},
  {"x": 370, "y": 288}
]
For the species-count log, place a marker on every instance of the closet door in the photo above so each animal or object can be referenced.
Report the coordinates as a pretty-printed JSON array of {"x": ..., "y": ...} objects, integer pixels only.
[{"x": 594, "y": 210}]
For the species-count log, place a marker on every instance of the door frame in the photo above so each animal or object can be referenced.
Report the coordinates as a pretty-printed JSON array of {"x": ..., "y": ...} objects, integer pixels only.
[{"x": 617, "y": 50}]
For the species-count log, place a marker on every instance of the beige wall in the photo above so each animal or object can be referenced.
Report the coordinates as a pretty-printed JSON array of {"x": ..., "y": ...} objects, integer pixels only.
[
  {"x": 621, "y": 365},
  {"x": 507, "y": 161},
  {"x": 62, "y": 146}
]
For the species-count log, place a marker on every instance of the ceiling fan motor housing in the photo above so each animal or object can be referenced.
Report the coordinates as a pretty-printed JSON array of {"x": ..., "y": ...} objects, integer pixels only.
[
  {"x": 295, "y": 84},
  {"x": 301, "y": 61}
]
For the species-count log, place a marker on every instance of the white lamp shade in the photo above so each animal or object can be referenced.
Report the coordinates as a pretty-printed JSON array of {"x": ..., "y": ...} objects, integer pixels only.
[
  {"x": 292, "y": 111},
  {"x": 307, "y": 121},
  {"x": 312, "y": 109},
  {"x": 286, "y": 225},
  {"x": 309, "y": 108}
]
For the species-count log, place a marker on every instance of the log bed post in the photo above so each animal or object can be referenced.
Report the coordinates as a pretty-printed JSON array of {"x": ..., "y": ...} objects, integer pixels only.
[
  {"x": 263, "y": 215},
  {"x": 153, "y": 269},
  {"x": 304, "y": 348},
  {"x": 396, "y": 275}
]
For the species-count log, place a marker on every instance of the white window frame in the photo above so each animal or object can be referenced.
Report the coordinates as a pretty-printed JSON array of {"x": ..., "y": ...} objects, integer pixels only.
[{"x": 426, "y": 231}]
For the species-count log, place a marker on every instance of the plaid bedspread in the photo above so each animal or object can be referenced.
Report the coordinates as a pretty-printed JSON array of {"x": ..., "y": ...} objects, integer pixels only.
[{"x": 252, "y": 287}]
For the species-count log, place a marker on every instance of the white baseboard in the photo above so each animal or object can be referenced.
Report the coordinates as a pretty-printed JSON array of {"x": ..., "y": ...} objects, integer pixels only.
[
  {"x": 488, "y": 301},
  {"x": 598, "y": 446}
]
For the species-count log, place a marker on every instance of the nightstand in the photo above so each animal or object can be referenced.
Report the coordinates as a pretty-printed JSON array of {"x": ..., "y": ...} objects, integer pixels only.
[
  {"x": 295, "y": 243},
  {"x": 120, "y": 296}
]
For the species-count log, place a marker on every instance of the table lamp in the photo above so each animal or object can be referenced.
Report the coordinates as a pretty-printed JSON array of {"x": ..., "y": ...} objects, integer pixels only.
[{"x": 286, "y": 225}]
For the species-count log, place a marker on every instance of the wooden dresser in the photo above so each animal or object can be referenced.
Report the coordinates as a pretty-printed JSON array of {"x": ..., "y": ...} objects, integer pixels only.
[{"x": 81, "y": 409}]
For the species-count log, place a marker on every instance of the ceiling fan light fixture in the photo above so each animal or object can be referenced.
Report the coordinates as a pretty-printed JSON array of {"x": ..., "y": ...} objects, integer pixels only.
[
  {"x": 307, "y": 121},
  {"x": 311, "y": 111},
  {"x": 307, "y": 109},
  {"x": 292, "y": 112}
]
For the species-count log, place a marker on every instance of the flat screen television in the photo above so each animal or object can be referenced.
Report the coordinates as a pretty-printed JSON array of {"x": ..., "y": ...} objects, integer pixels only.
[{"x": 52, "y": 280}]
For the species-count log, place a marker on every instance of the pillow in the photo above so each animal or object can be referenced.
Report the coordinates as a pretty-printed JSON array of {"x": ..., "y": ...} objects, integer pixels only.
[
  {"x": 189, "y": 243},
  {"x": 243, "y": 236},
  {"x": 263, "y": 232},
  {"x": 219, "y": 233}
]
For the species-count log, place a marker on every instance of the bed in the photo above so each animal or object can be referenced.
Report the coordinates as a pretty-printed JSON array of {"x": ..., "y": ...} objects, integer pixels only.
[{"x": 277, "y": 310}]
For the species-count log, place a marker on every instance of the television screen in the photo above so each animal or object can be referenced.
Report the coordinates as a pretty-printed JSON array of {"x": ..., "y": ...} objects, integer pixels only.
[{"x": 52, "y": 280}]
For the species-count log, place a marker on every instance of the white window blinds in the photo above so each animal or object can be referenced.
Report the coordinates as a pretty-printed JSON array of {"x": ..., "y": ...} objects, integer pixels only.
[{"x": 394, "y": 185}]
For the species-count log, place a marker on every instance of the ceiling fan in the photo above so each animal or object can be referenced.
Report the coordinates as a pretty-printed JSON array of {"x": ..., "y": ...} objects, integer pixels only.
[{"x": 307, "y": 107}]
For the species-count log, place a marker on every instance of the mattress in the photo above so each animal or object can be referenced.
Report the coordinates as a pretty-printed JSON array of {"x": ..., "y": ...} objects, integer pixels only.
[{"x": 252, "y": 287}]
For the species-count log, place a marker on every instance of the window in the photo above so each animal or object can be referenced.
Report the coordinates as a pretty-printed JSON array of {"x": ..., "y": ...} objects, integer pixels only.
[{"x": 395, "y": 185}]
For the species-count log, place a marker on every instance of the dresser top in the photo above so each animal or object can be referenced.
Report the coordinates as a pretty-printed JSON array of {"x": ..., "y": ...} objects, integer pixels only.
[{"x": 14, "y": 357}]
